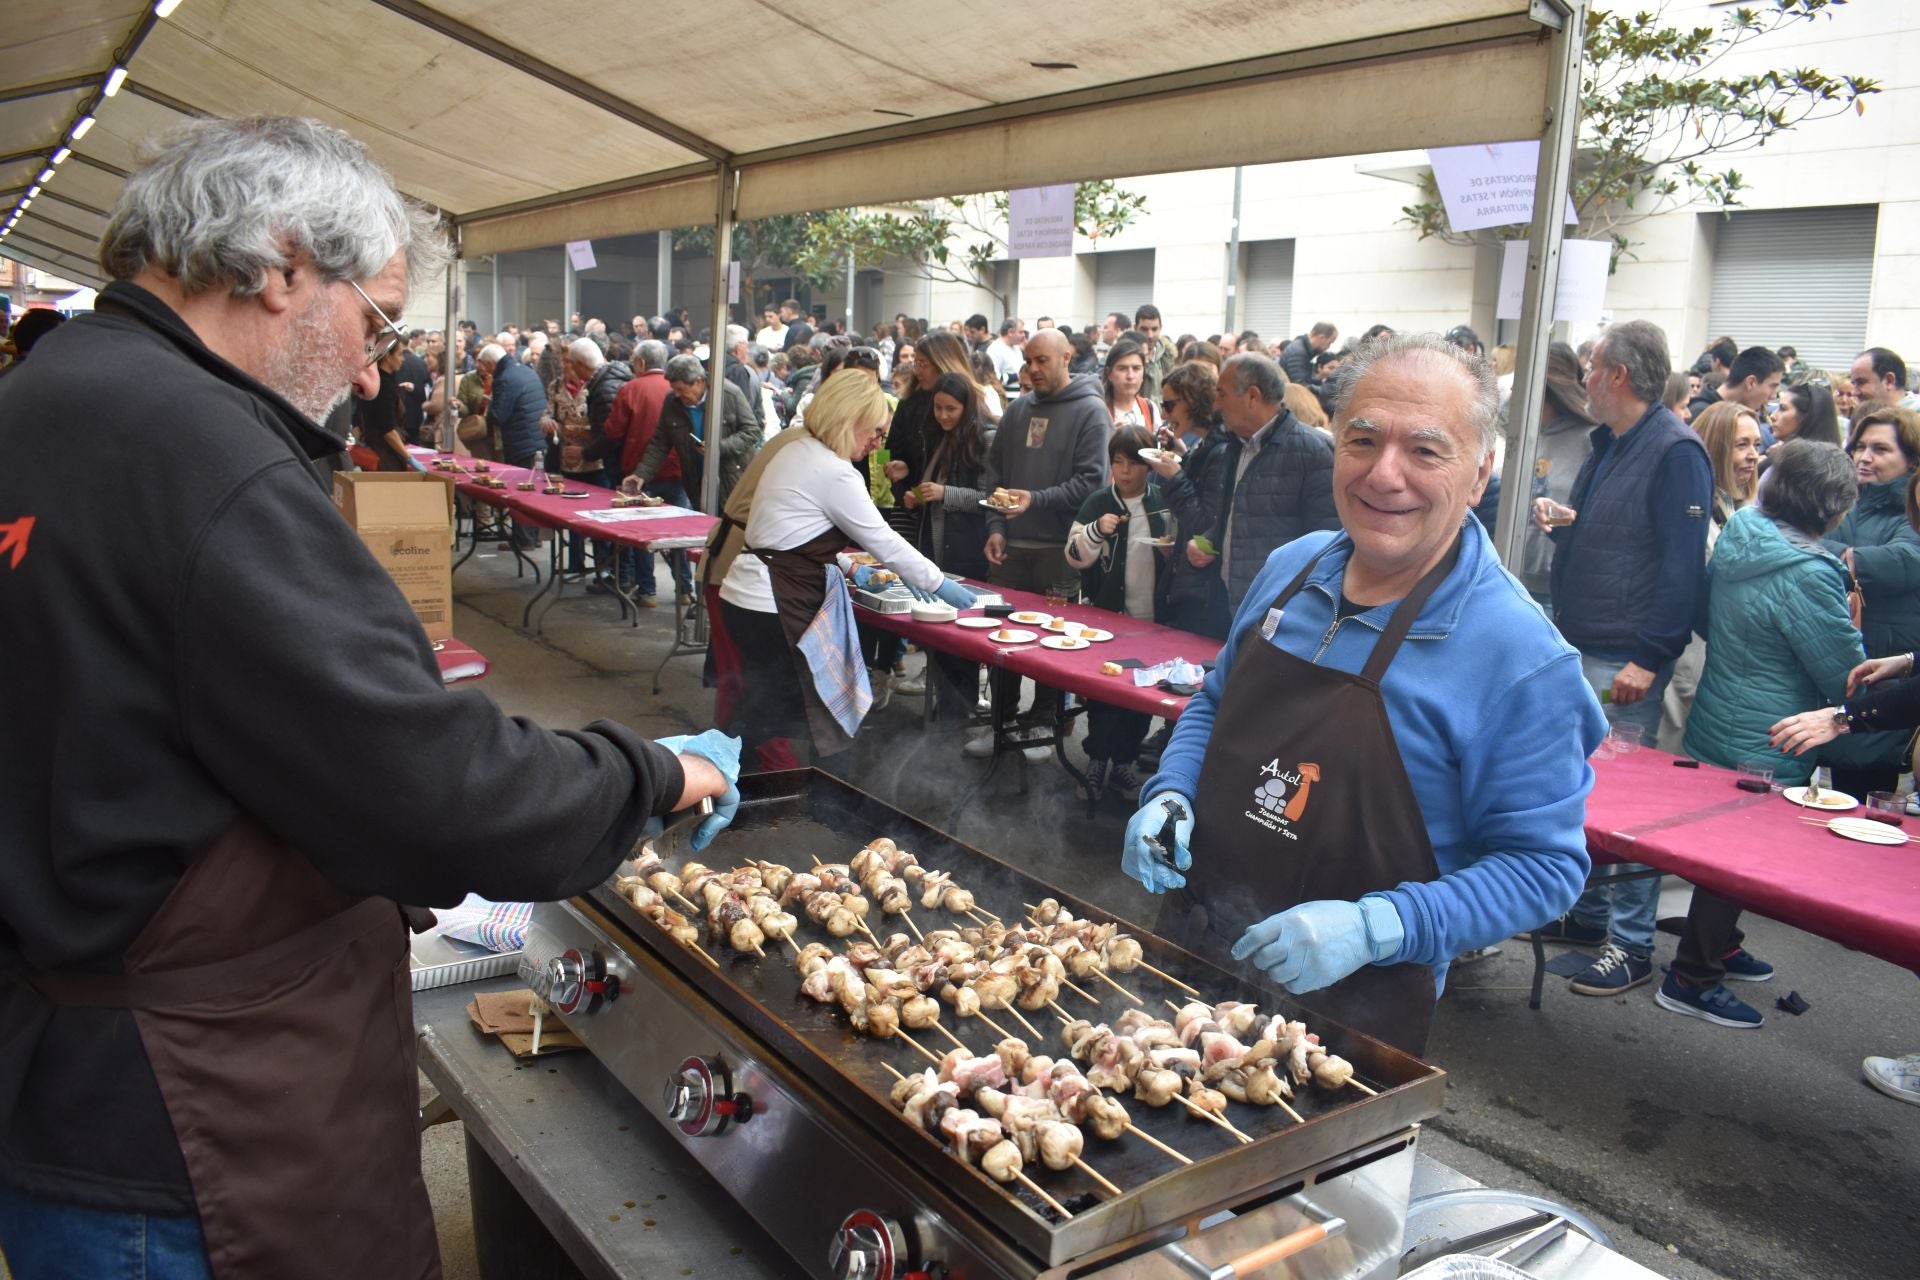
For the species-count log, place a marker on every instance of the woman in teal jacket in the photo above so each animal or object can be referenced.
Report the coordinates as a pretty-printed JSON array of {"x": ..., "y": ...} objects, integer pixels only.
[
  {"x": 1880, "y": 547},
  {"x": 1780, "y": 638}
]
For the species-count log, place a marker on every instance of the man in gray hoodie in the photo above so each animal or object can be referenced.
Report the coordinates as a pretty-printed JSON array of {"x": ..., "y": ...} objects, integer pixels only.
[{"x": 1050, "y": 453}]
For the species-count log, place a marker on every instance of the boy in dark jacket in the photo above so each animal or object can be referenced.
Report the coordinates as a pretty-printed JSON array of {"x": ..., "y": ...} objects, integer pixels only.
[{"x": 1119, "y": 541}]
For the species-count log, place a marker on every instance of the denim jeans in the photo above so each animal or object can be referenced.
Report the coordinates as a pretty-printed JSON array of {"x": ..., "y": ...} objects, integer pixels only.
[
  {"x": 638, "y": 565},
  {"x": 47, "y": 1240},
  {"x": 1626, "y": 911}
]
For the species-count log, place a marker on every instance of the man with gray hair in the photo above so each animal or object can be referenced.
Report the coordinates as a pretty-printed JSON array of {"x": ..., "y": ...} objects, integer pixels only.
[
  {"x": 737, "y": 369},
  {"x": 1277, "y": 474},
  {"x": 1344, "y": 794},
  {"x": 211, "y": 720},
  {"x": 1630, "y": 549}
]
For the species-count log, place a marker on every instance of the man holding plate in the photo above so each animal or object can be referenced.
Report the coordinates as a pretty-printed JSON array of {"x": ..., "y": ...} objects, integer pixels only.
[{"x": 1388, "y": 765}]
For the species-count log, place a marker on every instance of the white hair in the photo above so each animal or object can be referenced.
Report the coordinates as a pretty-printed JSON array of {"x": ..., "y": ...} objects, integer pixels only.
[
  {"x": 587, "y": 352},
  {"x": 1391, "y": 348},
  {"x": 492, "y": 353},
  {"x": 736, "y": 334},
  {"x": 219, "y": 202}
]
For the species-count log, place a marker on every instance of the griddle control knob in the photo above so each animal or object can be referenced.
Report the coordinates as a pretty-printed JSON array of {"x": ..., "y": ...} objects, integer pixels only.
[
  {"x": 869, "y": 1247},
  {"x": 578, "y": 983},
  {"x": 699, "y": 1098}
]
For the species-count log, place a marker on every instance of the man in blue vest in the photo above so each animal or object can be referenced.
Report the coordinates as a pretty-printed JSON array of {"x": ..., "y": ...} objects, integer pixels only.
[{"x": 1626, "y": 572}]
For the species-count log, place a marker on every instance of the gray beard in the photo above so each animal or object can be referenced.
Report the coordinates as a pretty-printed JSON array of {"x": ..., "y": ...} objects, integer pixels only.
[{"x": 306, "y": 368}]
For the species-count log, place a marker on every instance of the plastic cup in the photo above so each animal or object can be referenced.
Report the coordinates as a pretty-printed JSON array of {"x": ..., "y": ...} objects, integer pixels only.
[
  {"x": 1626, "y": 738},
  {"x": 1755, "y": 776},
  {"x": 1889, "y": 807}
]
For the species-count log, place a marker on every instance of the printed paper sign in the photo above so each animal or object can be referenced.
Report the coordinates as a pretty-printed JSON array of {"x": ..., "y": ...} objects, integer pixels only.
[
  {"x": 1040, "y": 222},
  {"x": 1489, "y": 184},
  {"x": 620, "y": 515},
  {"x": 1582, "y": 294},
  {"x": 580, "y": 253}
]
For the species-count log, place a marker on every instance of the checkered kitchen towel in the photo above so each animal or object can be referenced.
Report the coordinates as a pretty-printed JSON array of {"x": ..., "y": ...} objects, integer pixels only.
[
  {"x": 497, "y": 926},
  {"x": 831, "y": 646}
]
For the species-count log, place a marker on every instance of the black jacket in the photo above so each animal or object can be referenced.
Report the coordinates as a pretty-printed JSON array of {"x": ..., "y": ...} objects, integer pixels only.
[
  {"x": 740, "y": 439},
  {"x": 1196, "y": 599},
  {"x": 194, "y": 638},
  {"x": 743, "y": 377},
  {"x": 1296, "y": 360},
  {"x": 1287, "y": 490},
  {"x": 602, "y": 388}
]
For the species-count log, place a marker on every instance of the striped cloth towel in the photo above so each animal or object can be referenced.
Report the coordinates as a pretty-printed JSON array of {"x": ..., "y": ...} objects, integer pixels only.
[
  {"x": 497, "y": 926},
  {"x": 831, "y": 646}
]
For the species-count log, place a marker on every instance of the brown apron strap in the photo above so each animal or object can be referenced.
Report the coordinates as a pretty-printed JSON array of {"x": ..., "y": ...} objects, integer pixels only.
[
  {"x": 197, "y": 985},
  {"x": 1406, "y": 613}
]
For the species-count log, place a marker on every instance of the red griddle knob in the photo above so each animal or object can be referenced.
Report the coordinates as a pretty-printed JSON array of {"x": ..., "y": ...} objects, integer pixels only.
[{"x": 739, "y": 1107}]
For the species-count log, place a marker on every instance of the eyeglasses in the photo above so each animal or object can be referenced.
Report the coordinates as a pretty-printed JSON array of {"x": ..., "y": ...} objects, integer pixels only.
[
  {"x": 1168, "y": 406},
  {"x": 379, "y": 350}
]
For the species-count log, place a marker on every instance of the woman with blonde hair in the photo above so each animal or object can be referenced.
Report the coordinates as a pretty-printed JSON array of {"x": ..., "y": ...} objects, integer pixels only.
[
  {"x": 1731, "y": 433},
  {"x": 785, "y": 601}
]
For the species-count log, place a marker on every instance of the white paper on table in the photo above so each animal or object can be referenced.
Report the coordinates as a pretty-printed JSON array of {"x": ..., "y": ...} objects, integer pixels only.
[
  {"x": 620, "y": 515},
  {"x": 1582, "y": 293},
  {"x": 1488, "y": 184}
]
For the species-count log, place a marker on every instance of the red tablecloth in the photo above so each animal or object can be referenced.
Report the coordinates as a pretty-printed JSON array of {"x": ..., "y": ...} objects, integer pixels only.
[
  {"x": 460, "y": 661},
  {"x": 1756, "y": 850},
  {"x": 1077, "y": 670},
  {"x": 568, "y": 513}
]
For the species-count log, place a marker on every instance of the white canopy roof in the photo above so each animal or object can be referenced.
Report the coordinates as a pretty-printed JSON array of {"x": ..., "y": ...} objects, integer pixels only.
[{"x": 535, "y": 126}]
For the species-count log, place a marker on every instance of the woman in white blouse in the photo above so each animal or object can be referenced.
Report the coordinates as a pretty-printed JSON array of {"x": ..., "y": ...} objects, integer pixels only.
[{"x": 809, "y": 505}]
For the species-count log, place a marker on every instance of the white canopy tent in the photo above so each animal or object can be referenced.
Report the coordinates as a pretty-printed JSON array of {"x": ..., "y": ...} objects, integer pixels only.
[{"x": 533, "y": 129}]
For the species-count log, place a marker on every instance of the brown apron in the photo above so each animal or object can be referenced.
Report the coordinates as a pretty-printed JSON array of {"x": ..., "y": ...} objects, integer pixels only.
[
  {"x": 277, "y": 1014},
  {"x": 1303, "y": 796},
  {"x": 798, "y": 575}
]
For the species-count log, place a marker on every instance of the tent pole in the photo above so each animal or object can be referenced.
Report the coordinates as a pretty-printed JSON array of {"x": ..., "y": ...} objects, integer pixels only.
[
  {"x": 663, "y": 272},
  {"x": 1232, "y": 323},
  {"x": 498, "y": 328},
  {"x": 1558, "y": 137},
  {"x": 716, "y": 349},
  {"x": 449, "y": 409}
]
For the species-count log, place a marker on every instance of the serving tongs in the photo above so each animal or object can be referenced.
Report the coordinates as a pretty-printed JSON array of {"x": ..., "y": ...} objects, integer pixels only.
[{"x": 1161, "y": 845}]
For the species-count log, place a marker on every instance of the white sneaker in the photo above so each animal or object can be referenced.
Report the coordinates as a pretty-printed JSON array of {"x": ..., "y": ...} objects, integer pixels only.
[
  {"x": 1037, "y": 755},
  {"x": 980, "y": 746},
  {"x": 882, "y": 683},
  {"x": 1895, "y": 1077},
  {"x": 911, "y": 686},
  {"x": 1913, "y": 804}
]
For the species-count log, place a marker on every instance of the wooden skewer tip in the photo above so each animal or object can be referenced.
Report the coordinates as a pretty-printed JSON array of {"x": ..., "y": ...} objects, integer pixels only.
[
  {"x": 1101, "y": 974},
  {"x": 1152, "y": 1141},
  {"x": 897, "y": 1073},
  {"x": 1282, "y": 1104},
  {"x": 1167, "y": 977},
  {"x": 1366, "y": 1089},
  {"x": 1048, "y": 1200},
  {"x": 1093, "y": 1173}
]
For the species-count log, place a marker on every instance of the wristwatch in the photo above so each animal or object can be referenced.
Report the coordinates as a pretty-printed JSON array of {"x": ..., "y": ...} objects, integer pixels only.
[{"x": 1842, "y": 721}]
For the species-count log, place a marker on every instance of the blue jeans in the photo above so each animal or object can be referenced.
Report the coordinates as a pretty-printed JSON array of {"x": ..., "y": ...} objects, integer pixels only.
[
  {"x": 638, "y": 565},
  {"x": 47, "y": 1240},
  {"x": 1626, "y": 911}
]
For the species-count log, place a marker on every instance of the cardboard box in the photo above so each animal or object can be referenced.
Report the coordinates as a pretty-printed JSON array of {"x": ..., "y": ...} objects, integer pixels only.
[{"x": 406, "y": 520}]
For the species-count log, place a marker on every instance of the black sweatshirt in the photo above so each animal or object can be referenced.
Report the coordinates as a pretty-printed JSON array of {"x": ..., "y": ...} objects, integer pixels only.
[{"x": 194, "y": 634}]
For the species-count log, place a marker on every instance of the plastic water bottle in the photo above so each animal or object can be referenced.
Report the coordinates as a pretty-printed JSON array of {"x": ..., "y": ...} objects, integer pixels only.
[{"x": 539, "y": 476}]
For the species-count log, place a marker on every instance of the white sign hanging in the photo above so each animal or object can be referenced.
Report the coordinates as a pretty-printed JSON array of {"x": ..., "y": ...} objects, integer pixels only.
[
  {"x": 1489, "y": 184},
  {"x": 733, "y": 282},
  {"x": 1581, "y": 297},
  {"x": 1040, "y": 222},
  {"x": 580, "y": 253}
]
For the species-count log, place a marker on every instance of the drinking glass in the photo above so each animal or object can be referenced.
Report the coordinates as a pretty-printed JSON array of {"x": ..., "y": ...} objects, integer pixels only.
[
  {"x": 1888, "y": 807},
  {"x": 1626, "y": 738},
  {"x": 1755, "y": 775}
]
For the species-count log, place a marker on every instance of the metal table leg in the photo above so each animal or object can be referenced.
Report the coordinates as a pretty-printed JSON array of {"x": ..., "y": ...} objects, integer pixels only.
[
  {"x": 552, "y": 584},
  {"x": 690, "y": 630}
]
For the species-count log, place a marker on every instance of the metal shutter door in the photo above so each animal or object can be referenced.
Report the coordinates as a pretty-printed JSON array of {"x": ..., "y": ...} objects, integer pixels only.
[
  {"x": 1266, "y": 290},
  {"x": 1122, "y": 281},
  {"x": 1798, "y": 278}
]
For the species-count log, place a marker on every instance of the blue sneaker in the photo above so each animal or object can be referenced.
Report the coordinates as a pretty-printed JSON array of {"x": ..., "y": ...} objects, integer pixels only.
[
  {"x": 1743, "y": 966},
  {"x": 1715, "y": 1004},
  {"x": 1614, "y": 972},
  {"x": 1570, "y": 931}
]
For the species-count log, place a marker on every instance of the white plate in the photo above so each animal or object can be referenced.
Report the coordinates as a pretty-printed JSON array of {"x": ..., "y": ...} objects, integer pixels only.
[
  {"x": 1028, "y": 618},
  {"x": 980, "y": 623},
  {"x": 938, "y": 611},
  {"x": 1867, "y": 831},
  {"x": 1013, "y": 636},
  {"x": 1158, "y": 455},
  {"x": 1829, "y": 799},
  {"x": 994, "y": 506},
  {"x": 1064, "y": 642}
]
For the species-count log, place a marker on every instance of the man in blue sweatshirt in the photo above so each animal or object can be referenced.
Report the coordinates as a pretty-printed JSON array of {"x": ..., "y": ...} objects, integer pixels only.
[
  {"x": 1626, "y": 573},
  {"x": 1388, "y": 765}
]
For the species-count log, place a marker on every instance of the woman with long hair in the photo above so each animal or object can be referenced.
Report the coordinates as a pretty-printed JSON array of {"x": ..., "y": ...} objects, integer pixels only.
[
  {"x": 1731, "y": 433},
  {"x": 1126, "y": 370},
  {"x": 953, "y": 533},
  {"x": 1806, "y": 412}
]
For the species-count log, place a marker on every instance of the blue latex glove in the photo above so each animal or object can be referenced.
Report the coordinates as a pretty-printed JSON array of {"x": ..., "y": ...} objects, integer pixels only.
[
  {"x": 724, "y": 753},
  {"x": 1316, "y": 944},
  {"x": 863, "y": 575},
  {"x": 1140, "y": 862},
  {"x": 953, "y": 593},
  {"x": 924, "y": 597}
]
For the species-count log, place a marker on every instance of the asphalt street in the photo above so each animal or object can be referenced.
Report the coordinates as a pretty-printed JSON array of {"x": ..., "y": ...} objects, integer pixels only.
[{"x": 1707, "y": 1152}]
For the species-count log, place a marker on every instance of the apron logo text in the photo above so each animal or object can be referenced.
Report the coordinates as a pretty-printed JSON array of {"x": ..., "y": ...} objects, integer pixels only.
[{"x": 1281, "y": 800}]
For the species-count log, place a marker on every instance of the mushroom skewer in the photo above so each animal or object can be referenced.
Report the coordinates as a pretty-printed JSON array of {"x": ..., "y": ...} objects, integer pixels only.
[{"x": 932, "y": 1105}]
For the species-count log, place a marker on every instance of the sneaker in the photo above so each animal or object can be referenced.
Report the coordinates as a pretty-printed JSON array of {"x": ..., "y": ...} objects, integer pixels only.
[
  {"x": 1156, "y": 743},
  {"x": 1570, "y": 931},
  {"x": 646, "y": 602},
  {"x": 882, "y": 684},
  {"x": 1614, "y": 972},
  {"x": 900, "y": 667},
  {"x": 913, "y": 686},
  {"x": 1476, "y": 955},
  {"x": 979, "y": 747},
  {"x": 1743, "y": 966},
  {"x": 1913, "y": 808},
  {"x": 1097, "y": 777},
  {"x": 1714, "y": 1004},
  {"x": 683, "y": 598},
  {"x": 1895, "y": 1077},
  {"x": 1123, "y": 782},
  {"x": 1037, "y": 755}
]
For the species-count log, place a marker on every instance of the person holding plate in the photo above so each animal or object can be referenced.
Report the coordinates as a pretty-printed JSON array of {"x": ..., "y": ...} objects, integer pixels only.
[{"x": 1388, "y": 765}]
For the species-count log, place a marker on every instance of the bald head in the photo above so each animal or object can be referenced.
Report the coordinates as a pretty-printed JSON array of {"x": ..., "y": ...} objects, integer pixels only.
[{"x": 1048, "y": 353}]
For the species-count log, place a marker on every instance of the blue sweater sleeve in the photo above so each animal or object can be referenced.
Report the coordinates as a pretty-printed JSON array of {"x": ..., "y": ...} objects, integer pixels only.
[
  {"x": 1526, "y": 810},
  {"x": 1682, "y": 498}
]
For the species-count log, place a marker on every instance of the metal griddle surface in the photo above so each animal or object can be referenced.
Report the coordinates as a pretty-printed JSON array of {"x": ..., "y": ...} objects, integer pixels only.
[{"x": 786, "y": 817}]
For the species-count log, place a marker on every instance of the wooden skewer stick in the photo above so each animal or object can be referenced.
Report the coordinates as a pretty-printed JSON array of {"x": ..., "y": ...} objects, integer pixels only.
[
  {"x": 1091, "y": 1172},
  {"x": 1168, "y": 977},
  {"x": 1084, "y": 995},
  {"x": 1031, "y": 1029},
  {"x": 974, "y": 916},
  {"x": 1152, "y": 1141},
  {"x": 1282, "y": 1104},
  {"x": 897, "y": 1073},
  {"x": 918, "y": 1047},
  {"x": 908, "y": 917},
  {"x": 1205, "y": 1114},
  {"x": 1366, "y": 1089},
  {"x": 1003, "y": 1033},
  {"x": 1171, "y": 1005},
  {"x": 957, "y": 1042},
  {"x": 689, "y": 901},
  {"x": 988, "y": 914},
  {"x": 757, "y": 951},
  {"x": 1102, "y": 975},
  {"x": 1064, "y": 1015},
  {"x": 1046, "y": 1199},
  {"x": 703, "y": 955},
  {"x": 788, "y": 939}
]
